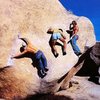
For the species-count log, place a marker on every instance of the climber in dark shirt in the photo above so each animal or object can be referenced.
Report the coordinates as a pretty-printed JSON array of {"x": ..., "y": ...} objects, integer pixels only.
[{"x": 73, "y": 30}]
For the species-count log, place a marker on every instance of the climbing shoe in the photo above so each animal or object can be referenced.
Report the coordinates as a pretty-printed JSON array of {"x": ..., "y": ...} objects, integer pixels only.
[
  {"x": 79, "y": 54},
  {"x": 64, "y": 53},
  {"x": 56, "y": 55},
  {"x": 46, "y": 69}
]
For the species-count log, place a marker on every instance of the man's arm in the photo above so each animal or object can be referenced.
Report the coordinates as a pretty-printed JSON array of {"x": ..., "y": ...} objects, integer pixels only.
[
  {"x": 19, "y": 55},
  {"x": 71, "y": 38},
  {"x": 62, "y": 35}
]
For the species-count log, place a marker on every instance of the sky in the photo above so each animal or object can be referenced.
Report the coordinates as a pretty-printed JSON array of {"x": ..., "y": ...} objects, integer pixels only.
[{"x": 87, "y": 8}]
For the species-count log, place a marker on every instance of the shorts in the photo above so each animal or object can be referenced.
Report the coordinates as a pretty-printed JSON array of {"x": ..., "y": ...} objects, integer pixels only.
[{"x": 56, "y": 36}]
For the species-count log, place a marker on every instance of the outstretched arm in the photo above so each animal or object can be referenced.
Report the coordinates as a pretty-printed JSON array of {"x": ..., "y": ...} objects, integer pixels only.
[{"x": 19, "y": 55}]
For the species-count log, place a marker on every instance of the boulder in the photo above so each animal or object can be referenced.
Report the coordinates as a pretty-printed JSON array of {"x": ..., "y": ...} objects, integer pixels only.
[
  {"x": 31, "y": 19},
  {"x": 95, "y": 53},
  {"x": 91, "y": 66}
]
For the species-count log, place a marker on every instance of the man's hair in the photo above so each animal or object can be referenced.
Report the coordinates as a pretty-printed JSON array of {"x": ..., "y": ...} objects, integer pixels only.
[
  {"x": 60, "y": 29},
  {"x": 74, "y": 22},
  {"x": 22, "y": 48},
  {"x": 50, "y": 31}
]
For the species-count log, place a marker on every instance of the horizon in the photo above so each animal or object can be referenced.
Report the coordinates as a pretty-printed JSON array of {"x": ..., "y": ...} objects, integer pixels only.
[{"x": 87, "y": 8}]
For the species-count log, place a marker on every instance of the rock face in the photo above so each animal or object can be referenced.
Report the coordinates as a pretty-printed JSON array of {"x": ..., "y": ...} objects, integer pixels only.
[
  {"x": 32, "y": 18},
  {"x": 91, "y": 65},
  {"x": 95, "y": 54}
]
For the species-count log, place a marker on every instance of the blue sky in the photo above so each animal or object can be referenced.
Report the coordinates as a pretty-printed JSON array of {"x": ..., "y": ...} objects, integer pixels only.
[{"x": 87, "y": 8}]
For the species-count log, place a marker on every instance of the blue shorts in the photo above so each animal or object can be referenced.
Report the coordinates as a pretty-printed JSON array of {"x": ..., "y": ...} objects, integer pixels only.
[{"x": 56, "y": 36}]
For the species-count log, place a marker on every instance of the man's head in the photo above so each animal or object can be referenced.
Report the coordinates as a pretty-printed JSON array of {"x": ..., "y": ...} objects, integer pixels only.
[
  {"x": 74, "y": 22},
  {"x": 22, "y": 48},
  {"x": 50, "y": 30}
]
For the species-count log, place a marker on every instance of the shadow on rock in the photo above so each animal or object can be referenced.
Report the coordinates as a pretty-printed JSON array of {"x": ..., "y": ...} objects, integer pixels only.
[
  {"x": 6, "y": 67},
  {"x": 91, "y": 64},
  {"x": 47, "y": 97}
]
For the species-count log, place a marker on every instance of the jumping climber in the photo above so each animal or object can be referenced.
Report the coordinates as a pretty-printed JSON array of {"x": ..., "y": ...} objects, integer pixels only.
[
  {"x": 73, "y": 30},
  {"x": 36, "y": 55},
  {"x": 57, "y": 34}
]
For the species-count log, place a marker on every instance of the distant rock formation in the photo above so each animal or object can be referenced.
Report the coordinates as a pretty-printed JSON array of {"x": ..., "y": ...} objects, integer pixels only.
[{"x": 32, "y": 19}]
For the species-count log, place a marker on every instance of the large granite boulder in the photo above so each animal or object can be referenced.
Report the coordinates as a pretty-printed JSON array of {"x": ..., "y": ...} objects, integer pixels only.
[
  {"x": 32, "y": 18},
  {"x": 95, "y": 53},
  {"x": 91, "y": 66}
]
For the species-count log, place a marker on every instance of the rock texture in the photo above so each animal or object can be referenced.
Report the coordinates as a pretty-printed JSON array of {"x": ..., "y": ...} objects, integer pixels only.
[
  {"x": 95, "y": 54},
  {"x": 32, "y": 19},
  {"x": 82, "y": 89},
  {"x": 91, "y": 66}
]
